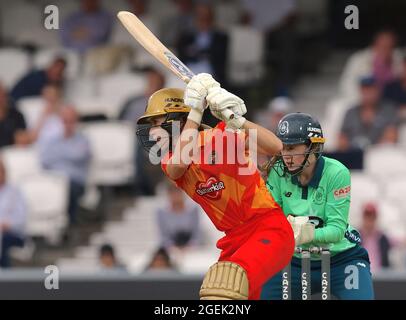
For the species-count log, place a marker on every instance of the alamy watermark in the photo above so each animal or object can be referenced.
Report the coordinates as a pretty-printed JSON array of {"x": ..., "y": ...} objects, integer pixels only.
[
  {"x": 210, "y": 146},
  {"x": 51, "y": 281},
  {"x": 51, "y": 21},
  {"x": 351, "y": 22}
]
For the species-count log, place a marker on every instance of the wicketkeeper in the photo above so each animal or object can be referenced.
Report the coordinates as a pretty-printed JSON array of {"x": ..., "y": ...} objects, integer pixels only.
[{"x": 314, "y": 192}]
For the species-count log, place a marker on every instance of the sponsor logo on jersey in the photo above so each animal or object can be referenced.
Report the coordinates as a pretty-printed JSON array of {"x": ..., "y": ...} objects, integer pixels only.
[
  {"x": 288, "y": 194},
  {"x": 211, "y": 189},
  {"x": 318, "y": 197},
  {"x": 342, "y": 192},
  {"x": 353, "y": 236}
]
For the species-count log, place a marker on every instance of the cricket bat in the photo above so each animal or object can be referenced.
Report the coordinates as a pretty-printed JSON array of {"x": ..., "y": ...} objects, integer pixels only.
[{"x": 155, "y": 47}]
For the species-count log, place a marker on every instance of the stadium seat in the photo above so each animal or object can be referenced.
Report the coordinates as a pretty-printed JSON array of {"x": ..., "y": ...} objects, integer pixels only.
[
  {"x": 210, "y": 233},
  {"x": 395, "y": 189},
  {"x": 44, "y": 57},
  {"x": 20, "y": 163},
  {"x": 385, "y": 161},
  {"x": 138, "y": 262},
  {"x": 104, "y": 95},
  {"x": 391, "y": 220},
  {"x": 14, "y": 64},
  {"x": 118, "y": 88},
  {"x": 228, "y": 13},
  {"x": 198, "y": 261},
  {"x": 12, "y": 16},
  {"x": 78, "y": 266},
  {"x": 32, "y": 108},
  {"x": 113, "y": 146},
  {"x": 364, "y": 188},
  {"x": 402, "y": 135},
  {"x": 333, "y": 121},
  {"x": 245, "y": 65},
  {"x": 47, "y": 199}
]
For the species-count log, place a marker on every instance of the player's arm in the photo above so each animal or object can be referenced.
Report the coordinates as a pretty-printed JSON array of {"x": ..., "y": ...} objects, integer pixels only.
[
  {"x": 273, "y": 186},
  {"x": 181, "y": 159},
  {"x": 195, "y": 97},
  {"x": 337, "y": 209},
  {"x": 267, "y": 143},
  {"x": 230, "y": 108}
]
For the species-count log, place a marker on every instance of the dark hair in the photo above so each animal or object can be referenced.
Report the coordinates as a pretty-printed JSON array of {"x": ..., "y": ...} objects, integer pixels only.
[
  {"x": 384, "y": 30},
  {"x": 59, "y": 59},
  {"x": 161, "y": 252},
  {"x": 106, "y": 249}
]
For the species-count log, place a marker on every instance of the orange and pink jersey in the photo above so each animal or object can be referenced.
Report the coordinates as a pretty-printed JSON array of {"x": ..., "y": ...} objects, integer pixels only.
[{"x": 228, "y": 197}]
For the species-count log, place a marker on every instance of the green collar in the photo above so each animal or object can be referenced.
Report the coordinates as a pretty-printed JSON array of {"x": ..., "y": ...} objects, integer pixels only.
[{"x": 314, "y": 182}]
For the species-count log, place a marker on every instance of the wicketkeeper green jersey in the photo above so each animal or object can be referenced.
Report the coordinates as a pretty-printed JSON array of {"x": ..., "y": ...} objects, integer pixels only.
[{"x": 326, "y": 199}]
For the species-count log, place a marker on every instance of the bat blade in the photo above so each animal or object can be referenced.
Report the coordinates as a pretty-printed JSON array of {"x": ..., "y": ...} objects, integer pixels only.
[
  {"x": 152, "y": 44},
  {"x": 155, "y": 47}
]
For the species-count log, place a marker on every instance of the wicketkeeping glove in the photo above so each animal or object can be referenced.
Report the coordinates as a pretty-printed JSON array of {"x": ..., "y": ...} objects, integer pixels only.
[{"x": 302, "y": 229}]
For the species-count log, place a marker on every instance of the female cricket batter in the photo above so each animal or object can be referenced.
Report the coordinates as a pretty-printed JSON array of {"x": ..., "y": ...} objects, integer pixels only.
[
  {"x": 314, "y": 192},
  {"x": 258, "y": 239}
]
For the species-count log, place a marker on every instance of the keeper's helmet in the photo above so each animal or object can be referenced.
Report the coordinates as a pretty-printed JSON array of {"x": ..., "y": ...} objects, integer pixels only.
[
  {"x": 300, "y": 128},
  {"x": 169, "y": 104}
]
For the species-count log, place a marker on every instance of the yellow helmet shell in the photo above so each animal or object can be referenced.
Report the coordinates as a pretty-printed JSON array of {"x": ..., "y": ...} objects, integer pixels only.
[{"x": 163, "y": 102}]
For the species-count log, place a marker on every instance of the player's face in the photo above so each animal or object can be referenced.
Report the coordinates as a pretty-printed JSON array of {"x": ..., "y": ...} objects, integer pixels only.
[
  {"x": 294, "y": 155},
  {"x": 157, "y": 133}
]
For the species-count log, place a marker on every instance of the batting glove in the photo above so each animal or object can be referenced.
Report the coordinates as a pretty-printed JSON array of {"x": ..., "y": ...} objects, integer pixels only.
[
  {"x": 196, "y": 93},
  {"x": 227, "y": 107}
]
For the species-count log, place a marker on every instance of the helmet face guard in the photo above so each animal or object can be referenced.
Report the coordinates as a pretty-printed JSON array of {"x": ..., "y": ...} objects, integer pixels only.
[
  {"x": 282, "y": 169},
  {"x": 160, "y": 142}
]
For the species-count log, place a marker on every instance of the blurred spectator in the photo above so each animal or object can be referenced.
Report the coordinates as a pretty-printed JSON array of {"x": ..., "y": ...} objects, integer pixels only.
[
  {"x": 12, "y": 122},
  {"x": 141, "y": 9},
  {"x": 135, "y": 106},
  {"x": 107, "y": 258},
  {"x": 268, "y": 15},
  {"x": 277, "y": 109},
  {"x": 277, "y": 19},
  {"x": 160, "y": 261},
  {"x": 374, "y": 240},
  {"x": 178, "y": 221},
  {"x": 395, "y": 91},
  {"x": 204, "y": 49},
  {"x": 147, "y": 175},
  {"x": 50, "y": 124},
  {"x": 88, "y": 28},
  {"x": 70, "y": 155},
  {"x": 34, "y": 82},
  {"x": 269, "y": 118},
  {"x": 13, "y": 215},
  {"x": 381, "y": 60},
  {"x": 180, "y": 23},
  {"x": 371, "y": 122}
]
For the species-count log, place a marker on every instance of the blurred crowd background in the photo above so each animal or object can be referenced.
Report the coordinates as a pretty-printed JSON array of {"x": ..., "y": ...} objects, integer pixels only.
[{"x": 76, "y": 190}]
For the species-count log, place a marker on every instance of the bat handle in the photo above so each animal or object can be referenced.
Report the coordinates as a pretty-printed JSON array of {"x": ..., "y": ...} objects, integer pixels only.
[{"x": 228, "y": 114}]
